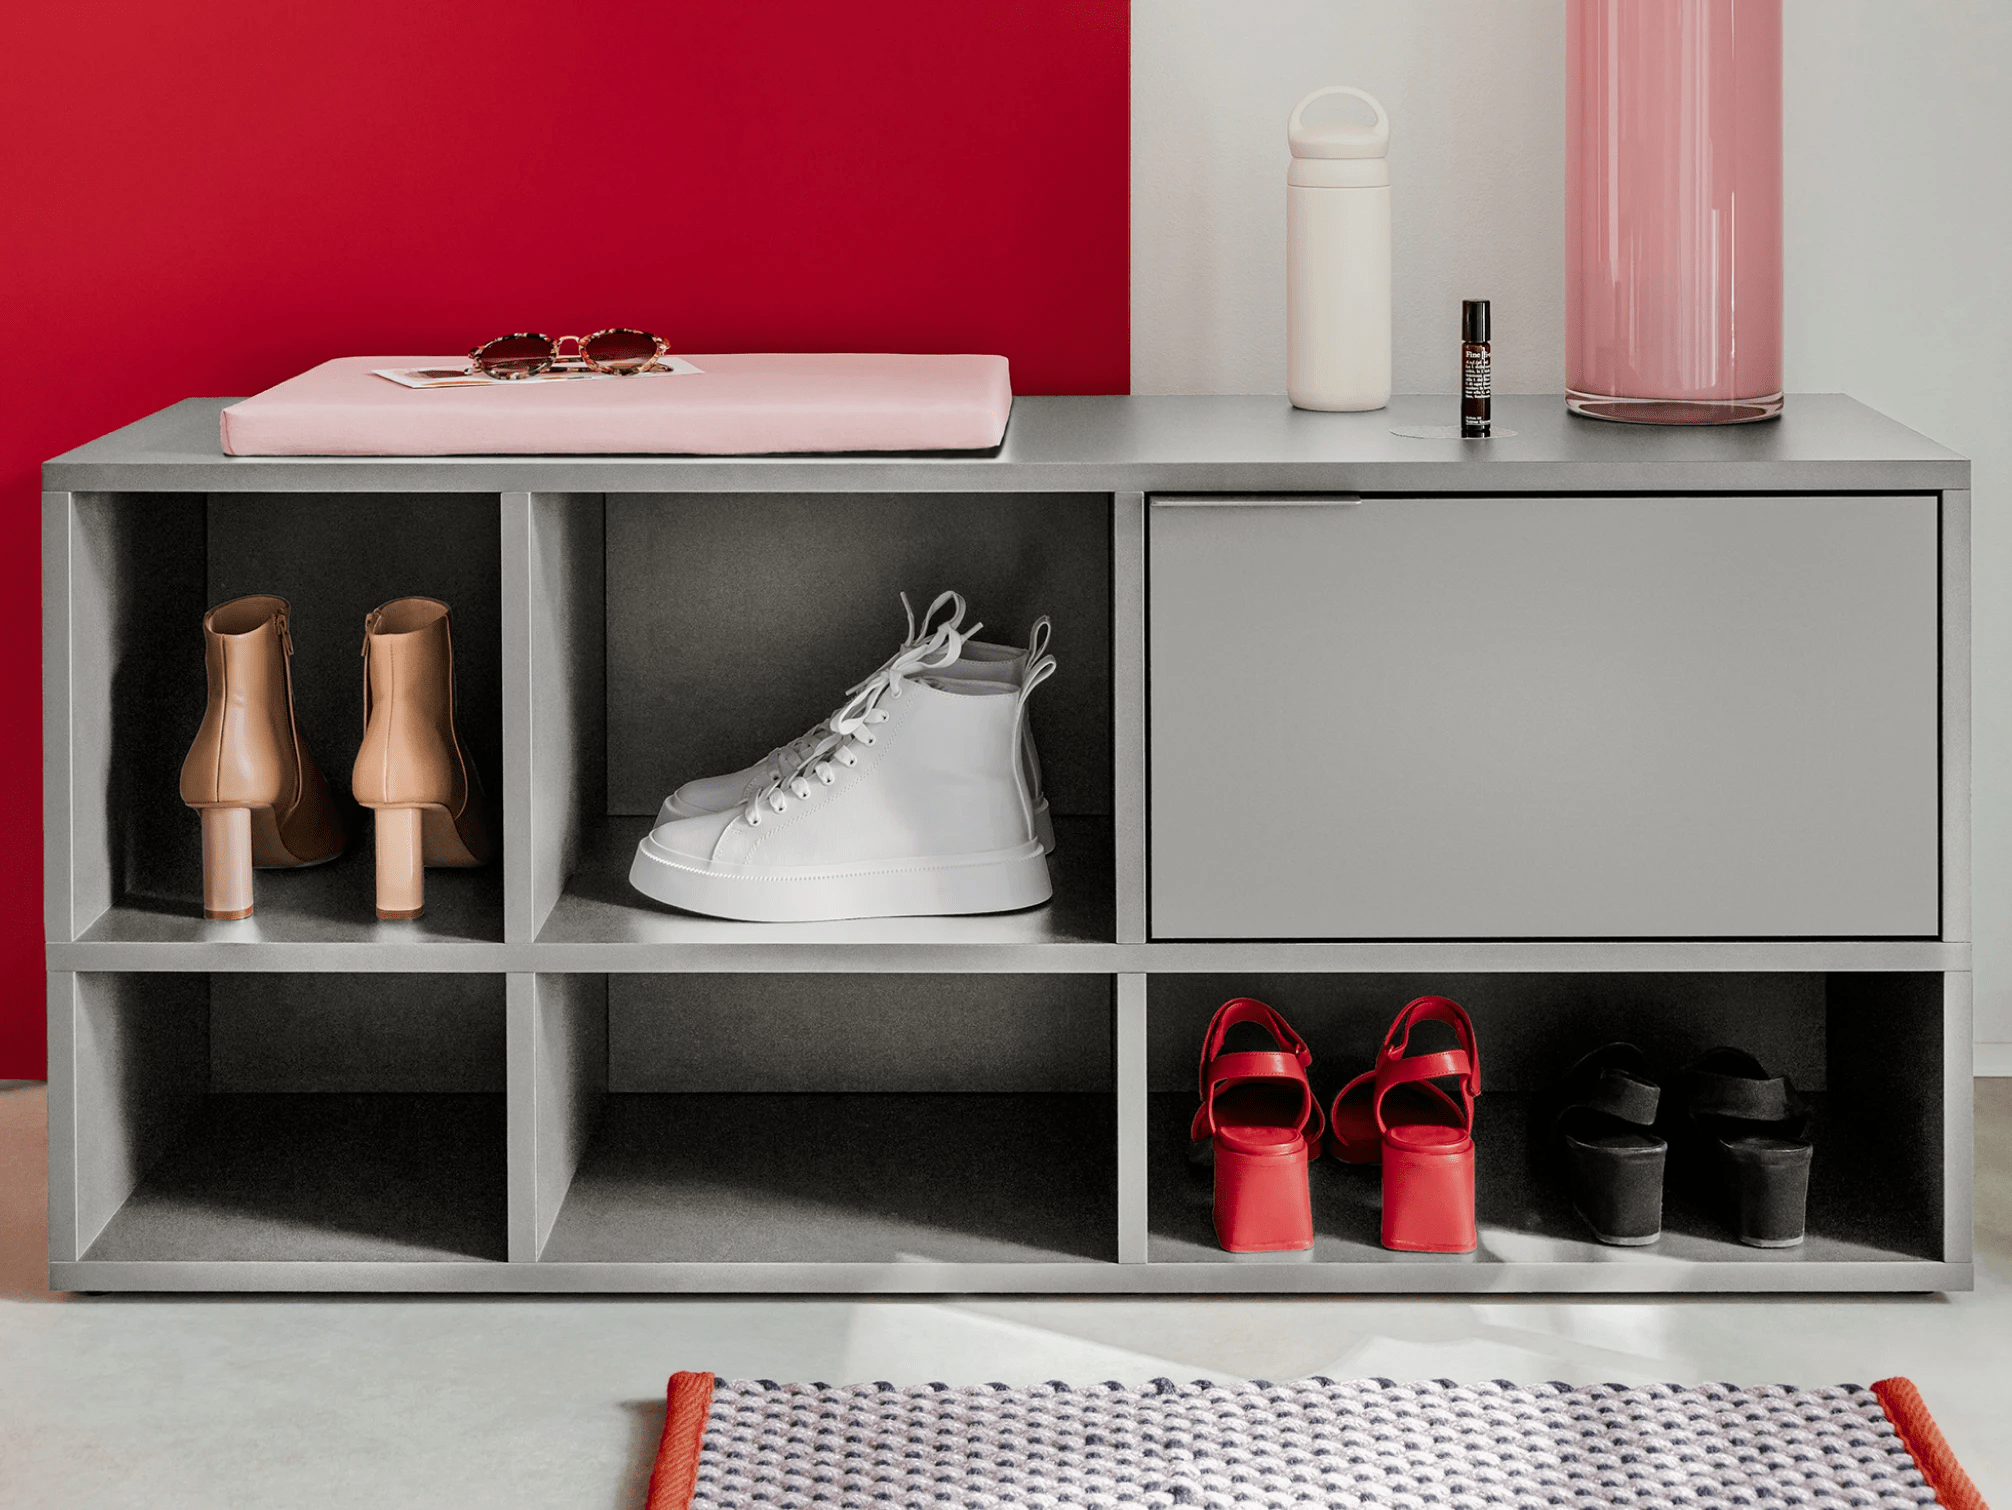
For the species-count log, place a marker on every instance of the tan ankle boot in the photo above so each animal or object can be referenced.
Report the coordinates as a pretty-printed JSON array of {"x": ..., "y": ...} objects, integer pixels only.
[
  {"x": 411, "y": 769},
  {"x": 262, "y": 798}
]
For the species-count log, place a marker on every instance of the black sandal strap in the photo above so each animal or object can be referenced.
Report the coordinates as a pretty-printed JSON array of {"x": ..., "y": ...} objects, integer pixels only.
[
  {"x": 1714, "y": 1095},
  {"x": 1621, "y": 1096}
]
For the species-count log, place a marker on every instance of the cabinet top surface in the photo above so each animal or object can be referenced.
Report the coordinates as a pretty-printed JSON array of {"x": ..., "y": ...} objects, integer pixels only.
[{"x": 1823, "y": 441}]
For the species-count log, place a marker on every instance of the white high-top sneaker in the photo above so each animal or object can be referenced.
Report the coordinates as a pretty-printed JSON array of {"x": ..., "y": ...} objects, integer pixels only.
[
  {"x": 977, "y": 661},
  {"x": 914, "y": 803},
  {"x": 982, "y": 662}
]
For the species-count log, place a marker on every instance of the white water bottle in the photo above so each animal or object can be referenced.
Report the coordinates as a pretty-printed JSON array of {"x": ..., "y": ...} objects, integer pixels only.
[{"x": 1337, "y": 279}]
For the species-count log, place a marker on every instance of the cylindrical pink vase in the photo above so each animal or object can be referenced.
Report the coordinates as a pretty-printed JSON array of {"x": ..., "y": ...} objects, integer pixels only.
[{"x": 1673, "y": 210}]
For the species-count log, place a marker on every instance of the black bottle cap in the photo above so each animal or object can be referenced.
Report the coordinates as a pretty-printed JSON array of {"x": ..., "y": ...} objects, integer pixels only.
[{"x": 1474, "y": 321}]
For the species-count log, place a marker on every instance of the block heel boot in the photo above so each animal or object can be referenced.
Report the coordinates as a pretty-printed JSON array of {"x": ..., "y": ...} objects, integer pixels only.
[
  {"x": 1414, "y": 1114},
  {"x": 411, "y": 771},
  {"x": 1257, "y": 1123},
  {"x": 263, "y": 800}
]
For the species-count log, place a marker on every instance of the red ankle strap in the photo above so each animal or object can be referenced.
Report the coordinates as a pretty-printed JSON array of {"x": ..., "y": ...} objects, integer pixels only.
[
  {"x": 1464, "y": 1061},
  {"x": 1288, "y": 1062},
  {"x": 1245, "y": 1009}
]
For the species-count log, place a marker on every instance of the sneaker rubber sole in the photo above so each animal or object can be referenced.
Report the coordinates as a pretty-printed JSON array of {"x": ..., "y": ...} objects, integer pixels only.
[{"x": 925, "y": 886}]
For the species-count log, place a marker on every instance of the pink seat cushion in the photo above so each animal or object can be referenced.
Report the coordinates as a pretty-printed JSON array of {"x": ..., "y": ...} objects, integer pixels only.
[{"x": 736, "y": 405}]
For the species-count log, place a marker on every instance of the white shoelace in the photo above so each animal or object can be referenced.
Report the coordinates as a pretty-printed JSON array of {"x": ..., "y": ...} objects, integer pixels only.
[
  {"x": 784, "y": 759},
  {"x": 850, "y": 728}
]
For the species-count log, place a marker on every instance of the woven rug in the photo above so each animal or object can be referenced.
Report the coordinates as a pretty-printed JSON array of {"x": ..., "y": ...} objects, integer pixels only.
[{"x": 754, "y": 1443}]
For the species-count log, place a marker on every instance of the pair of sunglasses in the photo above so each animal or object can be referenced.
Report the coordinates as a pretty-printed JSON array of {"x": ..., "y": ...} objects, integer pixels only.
[{"x": 524, "y": 355}]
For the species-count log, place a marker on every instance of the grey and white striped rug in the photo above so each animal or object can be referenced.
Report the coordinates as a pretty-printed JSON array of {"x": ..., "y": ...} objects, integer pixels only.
[{"x": 1314, "y": 1442}]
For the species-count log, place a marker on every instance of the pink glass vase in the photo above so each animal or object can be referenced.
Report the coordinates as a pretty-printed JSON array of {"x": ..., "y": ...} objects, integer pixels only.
[{"x": 1673, "y": 210}]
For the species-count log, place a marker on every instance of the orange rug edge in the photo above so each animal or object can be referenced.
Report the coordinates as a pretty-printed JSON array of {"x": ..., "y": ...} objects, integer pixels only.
[
  {"x": 1909, "y": 1414},
  {"x": 676, "y": 1475}
]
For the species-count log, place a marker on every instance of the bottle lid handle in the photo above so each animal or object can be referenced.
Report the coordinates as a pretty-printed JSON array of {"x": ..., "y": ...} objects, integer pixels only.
[{"x": 1375, "y": 137}]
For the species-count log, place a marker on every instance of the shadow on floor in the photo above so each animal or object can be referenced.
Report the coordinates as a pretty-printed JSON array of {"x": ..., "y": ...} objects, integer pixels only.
[{"x": 646, "y": 1430}]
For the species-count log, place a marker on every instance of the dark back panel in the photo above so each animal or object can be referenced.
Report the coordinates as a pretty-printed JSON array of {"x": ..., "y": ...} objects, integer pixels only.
[
  {"x": 151, "y": 546},
  {"x": 1528, "y": 1028},
  {"x": 1886, "y": 1045},
  {"x": 335, "y": 557},
  {"x": 737, "y": 621},
  {"x": 363, "y": 1033},
  {"x": 859, "y": 1033}
]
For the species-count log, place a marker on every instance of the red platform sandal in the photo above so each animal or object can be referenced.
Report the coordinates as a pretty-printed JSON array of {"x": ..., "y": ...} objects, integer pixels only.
[
  {"x": 1263, "y": 1121},
  {"x": 1402, "y": 1116}
]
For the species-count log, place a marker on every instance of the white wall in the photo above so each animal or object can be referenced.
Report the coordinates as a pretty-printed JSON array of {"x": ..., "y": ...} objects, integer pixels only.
[
  {"x": 1477, "y": 152},
  {"x": 1898, "y": 243}
]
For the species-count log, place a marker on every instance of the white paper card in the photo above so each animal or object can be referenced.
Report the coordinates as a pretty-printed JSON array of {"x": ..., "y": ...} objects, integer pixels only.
[{"x": 461, "y": 377}]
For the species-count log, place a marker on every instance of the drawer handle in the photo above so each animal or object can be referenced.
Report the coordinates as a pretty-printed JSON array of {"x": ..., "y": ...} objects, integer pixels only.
[{"x": 1287, "y": 501}]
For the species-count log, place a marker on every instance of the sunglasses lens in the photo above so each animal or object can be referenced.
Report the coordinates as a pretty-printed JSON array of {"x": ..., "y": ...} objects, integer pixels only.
[
  {"x": 621, "y": 350},
  {"x": 515, "y": 356}
]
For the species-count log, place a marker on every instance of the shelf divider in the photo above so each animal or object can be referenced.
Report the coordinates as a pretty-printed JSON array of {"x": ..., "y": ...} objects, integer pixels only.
[
  {"x": 521, "y": 913},
  {"x": 60, "y": 810},
  {"x": 1959, "y": 1113},
  {"x": 1955, "y": 522},
  {"x": 62, "y": 1113},
  {"x": 1129, "y": 1065},
  {"x": 1128, "y": 713},
  {"x": 558, "y": 1090},
  {"x": 555, "y": 700}
]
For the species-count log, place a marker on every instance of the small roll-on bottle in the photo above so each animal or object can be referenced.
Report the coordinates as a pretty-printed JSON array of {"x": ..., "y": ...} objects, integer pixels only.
[{"x": 1477, "y": 381}]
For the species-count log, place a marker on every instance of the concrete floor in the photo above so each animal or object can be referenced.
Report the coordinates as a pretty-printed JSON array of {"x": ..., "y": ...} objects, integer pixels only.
[{"x": 222, "y": 1402}]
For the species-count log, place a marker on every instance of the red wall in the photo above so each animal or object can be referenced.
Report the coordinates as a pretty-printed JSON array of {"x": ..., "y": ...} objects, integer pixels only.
[{"x": 203, "y": 198}]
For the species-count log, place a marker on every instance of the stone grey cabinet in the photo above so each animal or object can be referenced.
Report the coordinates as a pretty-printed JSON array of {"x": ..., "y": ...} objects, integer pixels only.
[
  {"x": 1605, "y": 732},
  {"x": 1546, "y": 717}
]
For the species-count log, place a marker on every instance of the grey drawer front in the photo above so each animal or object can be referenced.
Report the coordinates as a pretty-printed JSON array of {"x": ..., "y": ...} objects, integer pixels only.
[{"x": 1544, "y": 717}]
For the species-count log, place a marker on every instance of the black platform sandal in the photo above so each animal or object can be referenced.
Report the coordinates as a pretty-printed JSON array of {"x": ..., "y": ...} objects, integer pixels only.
[
  {"x": 1613, "y": 1158},
  {"x": 1752, "y": 1133}
]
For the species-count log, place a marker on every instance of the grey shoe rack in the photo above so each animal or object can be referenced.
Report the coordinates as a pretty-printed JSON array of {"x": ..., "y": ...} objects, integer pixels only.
[{"x": 1602, "y": 731}]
